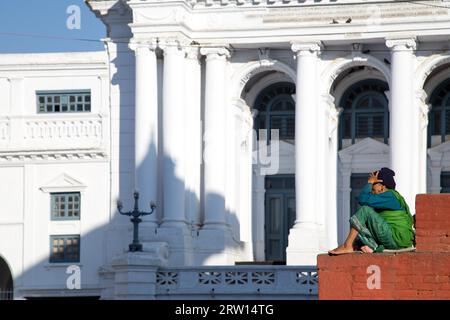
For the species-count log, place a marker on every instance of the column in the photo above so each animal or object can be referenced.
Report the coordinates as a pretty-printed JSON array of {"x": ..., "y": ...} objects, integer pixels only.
[
  {"x": 303, "y": 237},
  {"x": 330, "y": 181},
  {"x": 146, "y": 126},
  {"x": 214, "y": 137},
  {"x": 423, "y": 109},
  {"x": 403, "y": 117},
  {"x": 174, "y": 121},
  {"x": 193, "y": 138}
]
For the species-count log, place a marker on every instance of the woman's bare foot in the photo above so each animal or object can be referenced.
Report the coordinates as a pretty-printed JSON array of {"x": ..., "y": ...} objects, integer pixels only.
[
  {"x": 341, "y": 250},
  {"x": 366, "y": 249}
]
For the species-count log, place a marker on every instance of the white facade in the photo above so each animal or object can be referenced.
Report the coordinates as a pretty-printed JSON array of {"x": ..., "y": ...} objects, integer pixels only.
[{"x": 173, "y": 108}]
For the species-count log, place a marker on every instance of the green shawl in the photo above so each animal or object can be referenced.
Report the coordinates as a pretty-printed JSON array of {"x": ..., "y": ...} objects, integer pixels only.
[{"x": 401, "y": 222}]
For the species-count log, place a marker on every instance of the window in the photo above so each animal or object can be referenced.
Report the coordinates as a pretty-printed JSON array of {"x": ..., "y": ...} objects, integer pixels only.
[
  {"x": 366, "y": 112},
  {"x": 65, "y": 248},
  {"x": 445, "y": 182},
  {"x": 439, "y": 117},
  {"x": 65, "y": 206},
  {"x": 277, "y": 110},
  {"x": 68, "y": 101}
]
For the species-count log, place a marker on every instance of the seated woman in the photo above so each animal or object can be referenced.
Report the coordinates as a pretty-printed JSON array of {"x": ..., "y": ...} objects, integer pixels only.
[{"x": 382, "y": 221}]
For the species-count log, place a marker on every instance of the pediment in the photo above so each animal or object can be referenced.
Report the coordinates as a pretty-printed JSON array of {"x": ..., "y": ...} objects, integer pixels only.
[
  {"x": 366, "y": 146},
  {"x": 442, "y": 148},
  {"x": 286, "y": 147},
  {"x": 63, "y": 183}
]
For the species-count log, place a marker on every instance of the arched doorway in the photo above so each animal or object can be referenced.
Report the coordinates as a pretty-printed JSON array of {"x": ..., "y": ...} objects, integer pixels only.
[
  {"x": 276, "y": 110},
  {"x": 6, "y": 281}
]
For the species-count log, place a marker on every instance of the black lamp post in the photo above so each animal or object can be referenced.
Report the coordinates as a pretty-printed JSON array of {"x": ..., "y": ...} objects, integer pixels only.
[{"x": 135, "y": 246}]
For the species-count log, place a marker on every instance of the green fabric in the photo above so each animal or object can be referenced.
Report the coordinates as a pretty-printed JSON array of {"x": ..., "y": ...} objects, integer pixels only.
[
  {"x": 401, "y": 222},
  {"x": 373, "y": 230}
]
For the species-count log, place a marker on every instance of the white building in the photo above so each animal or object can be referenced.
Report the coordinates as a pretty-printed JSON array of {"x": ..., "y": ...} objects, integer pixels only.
[{"x": 169, "y": 110}]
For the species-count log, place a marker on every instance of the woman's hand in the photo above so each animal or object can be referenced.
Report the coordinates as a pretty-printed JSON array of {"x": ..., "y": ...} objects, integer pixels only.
[{"x": 373, "y": 178}]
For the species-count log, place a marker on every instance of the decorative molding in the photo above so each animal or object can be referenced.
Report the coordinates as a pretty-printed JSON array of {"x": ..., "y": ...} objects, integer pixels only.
[
  {"x": 306, "y": 48},
  {"x": 215, "y": 52},
  {"x": 63, "y": 183},
  {"x": 402, "y": 44},
  {"x": 65, "y": 155},
  {"x": 139, "y": 45}
]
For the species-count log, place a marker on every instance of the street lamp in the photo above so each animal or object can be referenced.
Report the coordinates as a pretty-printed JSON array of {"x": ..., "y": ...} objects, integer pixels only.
[{"x": 135, "y": 246}]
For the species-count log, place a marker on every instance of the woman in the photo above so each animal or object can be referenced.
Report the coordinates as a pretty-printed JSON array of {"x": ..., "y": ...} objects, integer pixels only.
[{"x": 382, "y": 221}]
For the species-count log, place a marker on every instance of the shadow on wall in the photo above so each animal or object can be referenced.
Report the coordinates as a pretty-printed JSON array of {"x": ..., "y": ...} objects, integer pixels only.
[
  {"x": 99, "y": 245},
  {"x": 46, "y": 279}
]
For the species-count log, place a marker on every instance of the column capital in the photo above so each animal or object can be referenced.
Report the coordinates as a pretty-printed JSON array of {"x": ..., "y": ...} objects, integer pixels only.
[
  {"x": 142, "y": 45},
  {"x": 215, "y": 52},
  {"x": 402, "y": 44},
  {"x": 306, "y": 48},
  {"x": 174, "y": 46},
  {"x": 192, "y": 53}
]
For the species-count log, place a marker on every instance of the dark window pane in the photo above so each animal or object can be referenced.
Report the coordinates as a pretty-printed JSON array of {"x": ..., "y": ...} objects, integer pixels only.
[
  {"x": 347, "y": 126},
  {"x": 437, "y": 123},
  {"x": 362, "y": 126},
  {"x": 364, "y": 103},
  {"x": 274, "y": 183},
  {"x": 447, "y": 121},
  {"x": 445, "y": 182},
  {"x": 378, "y": 126}
]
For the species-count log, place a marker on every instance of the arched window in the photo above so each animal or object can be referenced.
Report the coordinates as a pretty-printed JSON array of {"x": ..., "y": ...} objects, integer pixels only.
[
  {"x": 276, "y": 110},
  {"x": 439, "y": 117},
  {"x": 365, "y": 112}
]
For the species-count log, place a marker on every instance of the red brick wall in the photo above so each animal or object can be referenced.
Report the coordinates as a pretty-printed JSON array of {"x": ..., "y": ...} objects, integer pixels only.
[
  {"x": 433, "y": 223},
  {"x": 424, "y": 274}
]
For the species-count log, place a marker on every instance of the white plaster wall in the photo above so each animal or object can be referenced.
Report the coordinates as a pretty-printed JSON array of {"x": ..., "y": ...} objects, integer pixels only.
[{"x": 26, "y": 166}]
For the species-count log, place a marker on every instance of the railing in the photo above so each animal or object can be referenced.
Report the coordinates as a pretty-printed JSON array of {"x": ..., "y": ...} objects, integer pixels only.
[
  {"x": 6, "y": 295},
  {"x": 243, "y": 282},
  {"x": 52, "y": 132},
  {"x": 207, "y": 3}
]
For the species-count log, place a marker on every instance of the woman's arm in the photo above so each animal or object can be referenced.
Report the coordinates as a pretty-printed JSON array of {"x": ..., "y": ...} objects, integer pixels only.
[{"x": 385, "y": 200}]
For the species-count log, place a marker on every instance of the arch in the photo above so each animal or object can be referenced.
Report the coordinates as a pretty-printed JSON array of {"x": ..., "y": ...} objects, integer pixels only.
[
  {"x": 6, "y": 280},
  {"x": 251, "y": 69},
  {"x": 426, "y": 68},
  {"x": 355, "y": 77},
  {"x": 338, "y": 66}
]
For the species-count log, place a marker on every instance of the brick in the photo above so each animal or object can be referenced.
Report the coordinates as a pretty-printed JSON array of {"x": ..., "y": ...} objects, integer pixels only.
[
  {"x": 442, "y": 294},
  {"x": 431, "y": 233},
  {"x": 406, "y": 294},
  {"x": 443, "y": 286},
  {"x": 430, "y": 279},
  {"x": 426, "y": 294},
  {"x": 372, "y": 294}
]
